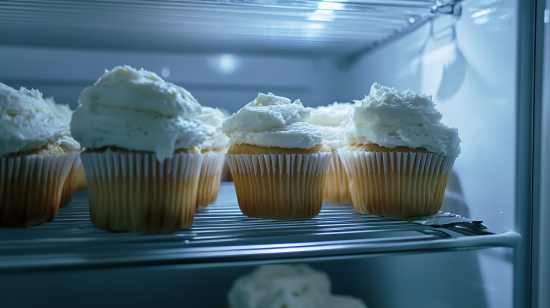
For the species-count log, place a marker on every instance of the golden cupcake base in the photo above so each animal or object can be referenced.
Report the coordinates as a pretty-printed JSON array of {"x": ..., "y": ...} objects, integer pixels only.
[
  {"x": 226, "y": 174},
  {"x": 70, "y": 183},
  {"x": 210, "y": 178},
  {"x": 80, "y": 178},
  {"x": 31, "y": 187},
  {"x": 401, "y": 184},
  {"x": 134, "y": 192},
  {"x": 280, "y": 186},
  {"x": 337, "y": 186}
]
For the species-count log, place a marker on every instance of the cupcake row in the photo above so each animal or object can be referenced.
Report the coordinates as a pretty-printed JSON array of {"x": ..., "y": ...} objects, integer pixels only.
[
  {"x": 152, "y": 154},
  {"x": 387, "y": 154}
]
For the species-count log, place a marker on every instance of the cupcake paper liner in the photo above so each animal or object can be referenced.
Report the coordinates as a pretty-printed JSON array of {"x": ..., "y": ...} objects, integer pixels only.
[
  {"x": 210, "y": 178},
  {"x": 134, "y": 192},
  {"x": 80, "y": 178},
  {"x": 337, "y": 186},
  {"x": 30, "y": 188},
  {"x": 280, "y": 186},
  {"x": 70, "y": 183},
  {"x": 403, "y": 184},
  {"x": 226, "y": 174}
]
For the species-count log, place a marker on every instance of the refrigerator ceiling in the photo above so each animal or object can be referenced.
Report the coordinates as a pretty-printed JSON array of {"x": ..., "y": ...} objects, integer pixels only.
[{"x": 258, "y": 26}]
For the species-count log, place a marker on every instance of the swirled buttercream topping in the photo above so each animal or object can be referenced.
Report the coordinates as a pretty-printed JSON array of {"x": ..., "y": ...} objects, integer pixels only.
[
  {"x": 290, "y": 286},
  {"x": 332, "y": 120},
  {"x": 137, "y": 110},
  {"x": 127, "y": 88},
  {"x": 66, "y": 142},
  {"x": 273, "y": 121},
  {"x": 390, "y": 119},
  {"x": 212, "y": 119},
  {"x": 27, "y": 122},
  {"x": 61, "y": 110}
]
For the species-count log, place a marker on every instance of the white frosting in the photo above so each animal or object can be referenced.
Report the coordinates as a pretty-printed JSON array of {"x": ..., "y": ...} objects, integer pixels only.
[
  {"x": 212, "y": 119},
  {"x": 62, "y": 110},
  {"x": 137, "y": 110},
  {"x": 390, "y": 119},
  {"x": 334, "y": 114},
  {"x": 127, "y": 88},
  {"x": 273, "y": 121},
  {"x": 332, "y": 120},
  {"x": 290, "y": 286},
  {"x": 27, "y": 122},
  {"x": 335, "y": 136},
  {"x": 66, "y": 142}
]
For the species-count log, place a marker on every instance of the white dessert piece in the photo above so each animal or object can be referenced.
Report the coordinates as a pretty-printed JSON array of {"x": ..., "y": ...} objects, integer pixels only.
[{"x": 289, "y": 286}]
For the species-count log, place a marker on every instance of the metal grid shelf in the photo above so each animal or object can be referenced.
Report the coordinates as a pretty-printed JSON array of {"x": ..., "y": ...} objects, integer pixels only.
[{"x": 220, "y": 233}]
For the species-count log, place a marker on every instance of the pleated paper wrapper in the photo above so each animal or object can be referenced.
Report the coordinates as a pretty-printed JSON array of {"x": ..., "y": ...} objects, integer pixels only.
[
  {"x": 134, "y": 192},
  {"x": 337, "y": 186},
  {"x": 31, "y": 187},
  {"x": 226, "y": 174},
  {"x": 70, "y": 184},
  {"x": 210, "y": 178},
  {"x": 402, "y": 184},
  {"x": 80, "y": 178},
  {"x": 280, "y": 186}
]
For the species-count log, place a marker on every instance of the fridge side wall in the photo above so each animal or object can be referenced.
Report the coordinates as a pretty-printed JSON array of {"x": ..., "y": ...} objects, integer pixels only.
[{"x": 468, "y": 66}]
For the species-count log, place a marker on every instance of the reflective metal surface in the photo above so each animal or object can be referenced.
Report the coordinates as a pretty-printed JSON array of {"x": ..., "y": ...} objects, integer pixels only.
[
  {"x": 298, "y": 26},
  {"x": 220, "y": 233}
]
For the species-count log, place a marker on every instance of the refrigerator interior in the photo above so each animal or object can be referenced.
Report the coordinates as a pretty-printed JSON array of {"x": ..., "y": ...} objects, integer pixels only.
[{"x": 467, "y": 63}]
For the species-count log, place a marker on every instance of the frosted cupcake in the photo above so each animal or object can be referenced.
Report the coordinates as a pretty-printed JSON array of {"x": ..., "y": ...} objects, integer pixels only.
[
  {"x": 290, "y": 286},
  {"x": 71, "y": 145},
  {"x": 278, "y": 161},
  {"x": 332, "y": 120},
  {"x": 35, "y": 158},
  {"x": 65, "y": 111},
  {"x": 142, "y": 159},
  {"x": 400, "y": 155},
  {"x": 214, "y": 147}
]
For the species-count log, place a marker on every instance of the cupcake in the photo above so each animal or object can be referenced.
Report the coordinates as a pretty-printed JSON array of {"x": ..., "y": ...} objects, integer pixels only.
[
  {"x": 226, "y": 174},
  {"x": 290, "y": 286},
  {"x": 33, "y": 163},
  {"x": 80, "y": 182},
  {"x": 65, "y": 111},
  {"x": 142, "y": 159},
  {"x": 214, "y": 147},
  {"x": 332, "y": 120},
  {"x": 69, "y": 145},
  {"x": 278, "y": 161},
  {"x": 399, "y": 155}
]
